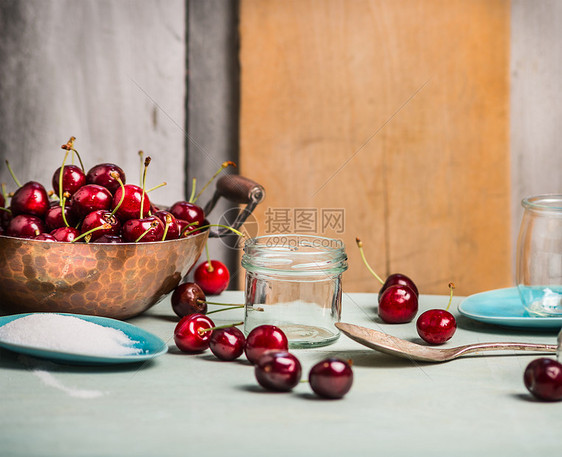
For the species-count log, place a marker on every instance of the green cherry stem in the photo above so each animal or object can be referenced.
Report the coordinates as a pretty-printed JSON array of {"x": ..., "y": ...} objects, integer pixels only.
[
  {"x": 16, "y": 180},
  {"x": 187, "y": 226},
  {"x": 210, "y": 267},
  {"x": 168, "y": 223},
  {"x": 219, "y": 225},
  {"x": 141, "y": 156},
  {"x": 7, "y": 210},
  {"x": 146, "y": 163},
  {"x": 219, "y": 327},
  {"x": 89, "y": 232},
  {"x": 62, "y": 203},
  {"x": 162, "y": 184},
  {"x": 116, "y": 176},
  {"x": 152, "y": 225},
  {"x": 360, "y": 246},
  {"x": 193, "y": 189},
  {"x": 451, "y": 287},
  {"x": 222, "y": 167}
]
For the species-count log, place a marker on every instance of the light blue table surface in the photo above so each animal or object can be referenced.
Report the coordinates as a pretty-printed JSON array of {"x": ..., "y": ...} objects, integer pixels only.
[{"x": 194, "y": 405}]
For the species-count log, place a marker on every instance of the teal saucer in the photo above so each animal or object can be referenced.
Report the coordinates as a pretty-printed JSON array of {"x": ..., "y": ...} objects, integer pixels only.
[
  {"x": 151, "y": 346},
  {"x": 504, "y": 307}
]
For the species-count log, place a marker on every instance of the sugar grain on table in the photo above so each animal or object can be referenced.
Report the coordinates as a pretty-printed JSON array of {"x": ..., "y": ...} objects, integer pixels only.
[{"x": 57, "y": 332}]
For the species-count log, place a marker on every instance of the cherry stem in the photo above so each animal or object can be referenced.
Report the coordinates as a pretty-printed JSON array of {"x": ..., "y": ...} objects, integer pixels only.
[
  {"x": 157, "y": 187},
  {"x": 62, "y": 203},
  {"x": 69, "y": 146},
  {"x": 360, "y": 246},
  {"x": 152, "y": 225},
  {"x": 61, "y": 174},
  {"x": 219, "y": 225},
  {"x": 89, "y": 232},
  {"x": 146, "y": 163},
  {"x": 8, "y": 210},
  {"x": 218, "y": 327},
  {"x": 13, "y": 174},
  {"x": 187, "y": 226},
  {"x": 225, "y": 309},
  {"x": 193, "y": 189},
  {"x": 116, "y": 176},
  {"x": 168, "y": 219},
  {"x": 451, "y": 287},
  {"x": 223, "y": 166},
  {"x": 210, "y": 267}
]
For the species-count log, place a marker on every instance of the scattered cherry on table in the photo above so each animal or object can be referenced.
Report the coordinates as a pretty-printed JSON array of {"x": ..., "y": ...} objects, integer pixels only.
[
  {"x": 278, "y": 371},
  {"x": 331, "y": 378},
  {"x": 435, "y": 326}
]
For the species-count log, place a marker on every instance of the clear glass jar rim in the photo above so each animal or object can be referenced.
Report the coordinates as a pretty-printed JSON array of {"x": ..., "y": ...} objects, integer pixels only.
[
  {"x": 551, "y": 202},
  {"x": 323, "y": 243},
  {"x": 280, "y": 254}
]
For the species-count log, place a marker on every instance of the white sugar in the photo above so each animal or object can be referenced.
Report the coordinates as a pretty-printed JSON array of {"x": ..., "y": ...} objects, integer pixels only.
[{"x": 69, "y": 334}]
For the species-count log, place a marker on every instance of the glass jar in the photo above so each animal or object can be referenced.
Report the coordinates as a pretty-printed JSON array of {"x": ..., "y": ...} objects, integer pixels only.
[
  {"x": 294, "y": 282},
  {"x": 539, "y": 256}
]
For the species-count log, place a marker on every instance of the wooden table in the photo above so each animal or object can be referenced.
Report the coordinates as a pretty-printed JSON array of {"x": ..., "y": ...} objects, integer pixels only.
[{"x": 183, "y": 404}]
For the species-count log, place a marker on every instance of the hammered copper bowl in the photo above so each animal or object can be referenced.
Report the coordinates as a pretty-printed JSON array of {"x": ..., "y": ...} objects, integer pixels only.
[{"x": 111, "y": 280}]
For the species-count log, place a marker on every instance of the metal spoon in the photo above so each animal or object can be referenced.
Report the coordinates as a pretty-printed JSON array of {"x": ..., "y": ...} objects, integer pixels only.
[{"x": 406, "y": 349}]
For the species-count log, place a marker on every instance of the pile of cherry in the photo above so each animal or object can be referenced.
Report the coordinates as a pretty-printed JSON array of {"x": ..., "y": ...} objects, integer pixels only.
[
  {"x": 398, "y": 303},
  {"x": 266, "y": 347},
  {"x": 98, "y": 206}
]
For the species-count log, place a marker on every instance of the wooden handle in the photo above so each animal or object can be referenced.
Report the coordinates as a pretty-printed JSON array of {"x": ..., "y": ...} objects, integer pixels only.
[{"x": 239, "y": 189}]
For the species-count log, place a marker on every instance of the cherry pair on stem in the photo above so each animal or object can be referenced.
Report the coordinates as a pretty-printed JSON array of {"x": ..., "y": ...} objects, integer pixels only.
[{"x": 398, "y": 303}]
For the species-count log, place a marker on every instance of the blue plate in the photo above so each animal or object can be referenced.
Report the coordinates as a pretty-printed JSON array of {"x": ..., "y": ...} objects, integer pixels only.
[
  {"x": 504, "y": 307},
  {"x": 151, "y": 346}
]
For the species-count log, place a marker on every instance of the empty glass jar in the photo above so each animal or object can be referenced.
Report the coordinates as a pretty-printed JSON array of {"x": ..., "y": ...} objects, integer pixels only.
[
  {"x": 539, "y": 256},
  {"x": 294, "y": 282}
]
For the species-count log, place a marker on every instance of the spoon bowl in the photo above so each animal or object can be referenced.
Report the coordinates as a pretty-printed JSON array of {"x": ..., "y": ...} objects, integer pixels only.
[{"x": 398, "y": 347}]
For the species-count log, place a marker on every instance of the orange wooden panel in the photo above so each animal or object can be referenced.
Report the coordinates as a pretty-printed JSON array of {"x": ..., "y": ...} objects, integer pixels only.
[{"x": 397, "y": 113}]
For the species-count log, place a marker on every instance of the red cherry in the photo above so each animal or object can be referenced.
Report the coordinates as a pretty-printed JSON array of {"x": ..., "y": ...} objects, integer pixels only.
[
  {"x": 31, "y": 198},
  {"x": 331, "y": 378},
  {"x": 398, "y": 305},
  {"x": 262, "y": 339},
  {"x": 189, "y": 212},
  {"x": 188, "y": 298},
  {"x": 45, "y": 237},
  {"x": 398, "y": 279},
  {"x": 436, "y": 326},
  {"x": 543, "y": 378},
  {"x": 168, "y": 219},
  {"x": 213, "y": 278},
  {"x": 227, "y": 343},
  {"x": 72, "y": 179},
  {"x": 53, "y": 218},
  {"x": 25, "y": 226},
  {"x": 90, "y": 198},
  {"x": 189, "y": 334},
  {"x": 101, "y": 175},
  {"x": 130, "y": 208},
  {"x": 65, "y": 234},
  {"x": 279, "y": 371},
  {"x": 150, "y": 228},
  {"x": 97, "y": 219},
  {"x": 108, "y": 239}
]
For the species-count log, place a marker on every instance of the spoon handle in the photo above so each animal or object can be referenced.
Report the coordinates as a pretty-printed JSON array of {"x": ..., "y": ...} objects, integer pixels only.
[{"x": 483, "y": 347}]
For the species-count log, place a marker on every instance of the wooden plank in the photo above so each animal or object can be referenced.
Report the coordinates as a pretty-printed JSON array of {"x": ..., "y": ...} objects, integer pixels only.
[
  {"x": 396, "y": 112},
  {"x": 110, "y": 73}
]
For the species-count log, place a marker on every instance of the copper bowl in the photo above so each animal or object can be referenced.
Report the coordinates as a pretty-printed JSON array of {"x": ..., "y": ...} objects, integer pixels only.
[{"x": 111, "y": 280}]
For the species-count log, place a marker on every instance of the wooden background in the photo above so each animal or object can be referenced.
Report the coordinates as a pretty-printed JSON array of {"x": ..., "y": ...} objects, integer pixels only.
[
  {"x": 397, "y": 112},
  {"x": 426, "y": 121}
]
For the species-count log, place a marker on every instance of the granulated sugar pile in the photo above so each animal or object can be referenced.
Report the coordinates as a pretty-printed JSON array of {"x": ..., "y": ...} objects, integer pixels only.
[{"x": 67, "y": 334}]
